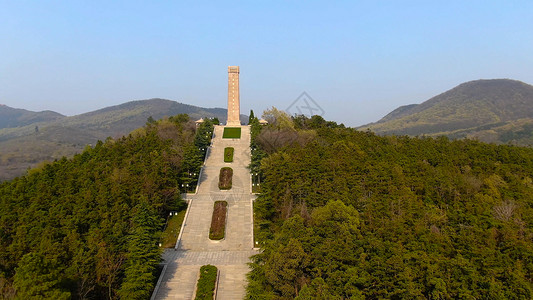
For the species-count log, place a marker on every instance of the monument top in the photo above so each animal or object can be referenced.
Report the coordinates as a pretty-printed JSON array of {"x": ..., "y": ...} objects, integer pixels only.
[{"x": 233, "y": 69}]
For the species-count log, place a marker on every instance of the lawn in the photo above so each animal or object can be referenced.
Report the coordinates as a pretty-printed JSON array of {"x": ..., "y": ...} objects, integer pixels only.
[
  {"x": 228, "y": 154},
  {"x": 170, "y": 235},
  {"x": 218, "y": 221},
  {"x": 232, "y": 133}
]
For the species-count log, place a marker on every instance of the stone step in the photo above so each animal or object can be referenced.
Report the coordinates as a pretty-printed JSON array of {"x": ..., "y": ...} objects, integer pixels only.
[
  {"x": 232, "y": 253},
  {"x": 179, "y": 282}
]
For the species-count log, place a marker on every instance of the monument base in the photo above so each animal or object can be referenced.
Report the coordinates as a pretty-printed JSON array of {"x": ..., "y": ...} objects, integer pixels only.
[{"x": 233, "y": 123}]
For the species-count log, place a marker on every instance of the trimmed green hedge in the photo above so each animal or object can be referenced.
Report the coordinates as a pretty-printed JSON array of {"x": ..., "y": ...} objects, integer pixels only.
[
  {"x": 205, "y": 287},
  {"x": 225, "y": 178},
  {"x": 218, "y": 221},
  {"x": 228, "y": 154},
  {"x": 232, "y": 133}
]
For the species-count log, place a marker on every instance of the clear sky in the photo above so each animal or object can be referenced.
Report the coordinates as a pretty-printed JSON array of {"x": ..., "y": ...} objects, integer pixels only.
[{"x": 357, "y": 59}]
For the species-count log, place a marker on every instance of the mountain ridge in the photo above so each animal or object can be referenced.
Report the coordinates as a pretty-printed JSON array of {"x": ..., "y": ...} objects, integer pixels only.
[
  {"x": 469, "y": 110},
  {"x": 29, "y": 144},
  {"x": 14, "y": 117}
]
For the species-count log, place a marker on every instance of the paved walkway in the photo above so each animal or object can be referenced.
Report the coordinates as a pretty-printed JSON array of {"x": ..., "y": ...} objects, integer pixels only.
[{"x": 230, "y": 255}]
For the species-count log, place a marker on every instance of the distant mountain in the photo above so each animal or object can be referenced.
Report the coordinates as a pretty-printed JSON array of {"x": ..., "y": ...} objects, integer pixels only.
[
  {"x": 497, "y": 110},
  {"x": 15, "y": 117},
  {"x": 25, "y": 144}
]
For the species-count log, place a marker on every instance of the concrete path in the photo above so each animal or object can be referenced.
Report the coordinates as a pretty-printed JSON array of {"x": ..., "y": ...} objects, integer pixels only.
[{"x": 230, "y": 255}]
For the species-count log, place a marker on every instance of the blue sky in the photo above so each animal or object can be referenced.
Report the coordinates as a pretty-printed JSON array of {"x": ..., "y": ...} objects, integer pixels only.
[{"x": 357, "y": 59}]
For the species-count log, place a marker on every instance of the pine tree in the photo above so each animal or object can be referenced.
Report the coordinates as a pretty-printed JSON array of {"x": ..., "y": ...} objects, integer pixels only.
[{"x": 143, "y": 254}]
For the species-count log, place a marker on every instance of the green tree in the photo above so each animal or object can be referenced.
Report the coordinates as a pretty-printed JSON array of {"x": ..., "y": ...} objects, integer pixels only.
[
  {"x": 278, "y": 119},
  {"x": 143, "y": 254},
  {"x": 251, "y": 117},
  {"x": 37, "y": 277}
]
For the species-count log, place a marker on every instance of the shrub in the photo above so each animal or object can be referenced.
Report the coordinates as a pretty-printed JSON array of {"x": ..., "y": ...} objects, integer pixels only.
[
  {"x": 218, "y": 221},
  {"x": 225, "y": 178},
  {"x": 228, "y": 154},
  {"x": 205, "y": 287},
  {"x": 232, "y": 133}
]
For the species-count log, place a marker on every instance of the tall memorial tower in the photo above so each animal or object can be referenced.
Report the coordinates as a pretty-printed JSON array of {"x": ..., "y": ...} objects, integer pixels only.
[{"x": 234, "y": 110}]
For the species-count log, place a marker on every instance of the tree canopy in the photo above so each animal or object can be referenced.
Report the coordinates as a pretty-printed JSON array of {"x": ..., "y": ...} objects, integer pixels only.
[
  {"x": 87, "y": 227},
  {"x": 349, "y": 214}
]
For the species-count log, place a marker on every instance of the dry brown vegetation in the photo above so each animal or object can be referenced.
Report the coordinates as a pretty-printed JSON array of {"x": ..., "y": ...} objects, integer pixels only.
[
  {"x": 218, "y": 222},
  {"x": 225, "y": 178}
]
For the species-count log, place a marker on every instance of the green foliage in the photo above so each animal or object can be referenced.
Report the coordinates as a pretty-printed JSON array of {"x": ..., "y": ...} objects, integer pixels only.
[
  {"x": 150, "y": 120},
  {"x": 88, "y": 224},
  {"x": 315, "y": 122},
  {"x": 204, "y": 133},
  {"x": 278, "y": 119},
  {"x": 355, "y": 215},
  {"x": 232, "y": 133},
  {"x": 206, "y": 283},
  {"x": 257, "y": 154},
  {"x": 218, "y": 221},
  {"x": 251, "y": 116},
  {"x": 143, "y": 253},
  {"x": 195, "y": 154},
  {"x": 228, "y": 154},
  {"x": 37, "y": 277},
  {"x": 225, "y": 178}
]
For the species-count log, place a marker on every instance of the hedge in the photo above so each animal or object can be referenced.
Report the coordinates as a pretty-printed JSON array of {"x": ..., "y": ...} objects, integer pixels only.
[
  {"x": 205, "y": 287},
  {"x": 228, "y": 154}
]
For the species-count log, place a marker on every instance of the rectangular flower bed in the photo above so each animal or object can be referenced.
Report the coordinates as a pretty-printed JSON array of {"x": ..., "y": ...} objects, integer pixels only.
[
  {"x": 225, "y": 178},
  {"x": 228, "y": 154},
  {"x": 218, "y": 221}
]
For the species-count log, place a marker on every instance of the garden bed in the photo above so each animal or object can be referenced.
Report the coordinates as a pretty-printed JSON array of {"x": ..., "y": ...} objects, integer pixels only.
[
  {"x": 232, "y": 133},
  {"x": 218, "y": 221},
  {"x": 228, "y": 154},
  {"x": 205, "y": 287},
  {"x": 225, "y": 178}
]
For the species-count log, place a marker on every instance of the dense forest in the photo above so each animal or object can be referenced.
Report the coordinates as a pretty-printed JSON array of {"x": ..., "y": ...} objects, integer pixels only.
[
  {"x": 347, "y": 214},
  {"x": 88, "y": 227}
]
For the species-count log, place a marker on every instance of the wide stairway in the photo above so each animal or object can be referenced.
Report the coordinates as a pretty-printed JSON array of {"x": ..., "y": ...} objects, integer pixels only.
[{"x": 195, "y": 249}]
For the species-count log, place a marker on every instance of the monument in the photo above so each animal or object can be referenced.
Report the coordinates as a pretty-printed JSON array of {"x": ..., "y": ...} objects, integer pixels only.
[{"x": 234, "y": 111}]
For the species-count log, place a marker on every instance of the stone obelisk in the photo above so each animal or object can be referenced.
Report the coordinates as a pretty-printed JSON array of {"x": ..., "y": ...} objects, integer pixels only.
[{"x": 234, "y": 110}]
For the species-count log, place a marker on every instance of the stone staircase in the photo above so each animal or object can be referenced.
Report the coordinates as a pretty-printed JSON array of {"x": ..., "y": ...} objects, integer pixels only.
[{"x": 231, "y": 254}]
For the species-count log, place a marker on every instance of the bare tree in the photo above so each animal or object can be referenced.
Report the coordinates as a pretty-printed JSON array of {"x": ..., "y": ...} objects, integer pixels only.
[{"x": 505, "y": 211}]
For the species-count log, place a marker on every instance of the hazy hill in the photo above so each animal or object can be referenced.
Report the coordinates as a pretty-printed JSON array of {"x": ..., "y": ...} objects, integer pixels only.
[
  {"x": 497, "y": 110},
  {"x": 49, "y": 139},
  {"x": 14, "y": 117}
]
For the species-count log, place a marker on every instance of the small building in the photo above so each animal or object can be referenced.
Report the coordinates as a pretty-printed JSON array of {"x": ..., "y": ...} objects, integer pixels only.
[
  {"x": 263, "y": 122},
  {"x": 199, "y": 122}
]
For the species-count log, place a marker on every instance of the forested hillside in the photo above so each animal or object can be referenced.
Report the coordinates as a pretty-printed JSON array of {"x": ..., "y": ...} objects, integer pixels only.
[
  {"x": 87, "y": 227},
  {"x": 49, "y": 139},
  {"x": 345, "y": 214},
  {"x": 494, "y": 111},
  {"x": 14, "y": 117}
]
